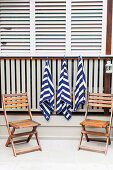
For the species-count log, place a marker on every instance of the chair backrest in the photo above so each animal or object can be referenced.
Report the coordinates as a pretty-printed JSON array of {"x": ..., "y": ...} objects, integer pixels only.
[
  {"x": 99, "y": 100},
  {"x": 16, "y": 100}
]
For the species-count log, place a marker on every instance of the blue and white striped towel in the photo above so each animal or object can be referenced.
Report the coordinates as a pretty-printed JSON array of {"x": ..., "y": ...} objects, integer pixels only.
[
  {"x": 63, "y": 96},
  {"x": 47, "y": 92},
  {"x": 80, "y": 85}
]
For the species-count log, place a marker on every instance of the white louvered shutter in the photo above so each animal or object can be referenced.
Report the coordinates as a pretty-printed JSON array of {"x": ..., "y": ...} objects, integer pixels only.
[
  {"x": 50, "y": 22},
  {"x": 88, "y": 26},
  {"x": 15, "y": 26},
  {"x": 52, "y": 27}
]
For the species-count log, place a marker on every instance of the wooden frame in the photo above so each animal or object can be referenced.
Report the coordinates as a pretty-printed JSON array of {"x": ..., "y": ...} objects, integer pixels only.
[
  {"x": 14, "y": 101},
  {"x": 107, "y": 80},
  {"x": 97, "y": 100}
]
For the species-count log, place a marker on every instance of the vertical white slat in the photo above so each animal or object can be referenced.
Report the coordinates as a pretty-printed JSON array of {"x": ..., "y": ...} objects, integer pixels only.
[
  {"x": 2, "y": 77},
  {"x": 85, "y": 70},
  {"x": 95, "y": 76},
  {"x": 86, "y": 76},
  {"x": 54, "y": 79},
  {"x": 23, "y": 75},
  {"x": 28, "y": 80},
  {"x": 59, "y": 71},
  {"x": 70, "y": 75},
  {"x": 101, "y": 76},
  {"x": 33, "y": 85},
  {"x": 43, "y": 67},
  {"x": 38, "y": 83},
  {"x": 50, "y": 64},
  {"x": 13, "y": 75},
  {"x": 90, "y": 75},
  {"x": 8, "y": 75},
  {"x": 74, "y": 80},
  {"x": 68, "y": 27},
  {"x": 18, "y": 75}
]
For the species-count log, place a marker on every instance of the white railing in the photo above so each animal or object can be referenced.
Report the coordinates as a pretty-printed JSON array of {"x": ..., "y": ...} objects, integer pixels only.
[{"x": 21, "y": 75}]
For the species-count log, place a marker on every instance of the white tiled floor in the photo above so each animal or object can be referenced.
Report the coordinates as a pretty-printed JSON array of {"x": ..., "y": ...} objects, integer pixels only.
[{"x": 56, "y": 155}]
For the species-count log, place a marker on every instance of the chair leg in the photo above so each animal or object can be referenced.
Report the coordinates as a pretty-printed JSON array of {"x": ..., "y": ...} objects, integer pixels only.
[
  {"x": 107, "y": 145},
  {"x": 8, "y": 141},
  {"x": 30, "y": 136},
  {"x": 37, "y": 139},
  {"x": 108, "y": 138},
  {"x": 80, "y": 140},
  {"x": 109, "y": 142},
  {"x": 36, "y": 135},
  {"x": 12, "y": 144},
  {"x": 86, "y": 136}
]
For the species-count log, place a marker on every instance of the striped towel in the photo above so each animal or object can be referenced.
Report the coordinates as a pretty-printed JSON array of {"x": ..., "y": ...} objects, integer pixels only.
[
  {"x": 63, "y": 96},
  {"x": 47, "y": 93},
  {"x": 80, "y": 85}
]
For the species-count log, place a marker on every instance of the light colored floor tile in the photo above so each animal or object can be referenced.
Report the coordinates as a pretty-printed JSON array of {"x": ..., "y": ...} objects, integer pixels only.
[{"x": 56, "y": 155}]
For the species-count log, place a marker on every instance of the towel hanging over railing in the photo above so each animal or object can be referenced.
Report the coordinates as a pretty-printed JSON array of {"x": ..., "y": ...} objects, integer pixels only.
[
  {"x": 47, "y": 93},
  {"x": 64, "y": 96},
  {"x": 80, "y": 85}
]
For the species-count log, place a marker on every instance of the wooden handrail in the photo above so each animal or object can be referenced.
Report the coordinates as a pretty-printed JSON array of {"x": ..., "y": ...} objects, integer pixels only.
[{"x": 58, "y": 57}]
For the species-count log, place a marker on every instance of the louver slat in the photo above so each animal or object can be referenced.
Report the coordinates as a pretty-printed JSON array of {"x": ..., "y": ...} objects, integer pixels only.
[
  {"x": 15, "y": 26},
  {"x": 86, "y": 26},
  {"x": 50, "y": 25}
]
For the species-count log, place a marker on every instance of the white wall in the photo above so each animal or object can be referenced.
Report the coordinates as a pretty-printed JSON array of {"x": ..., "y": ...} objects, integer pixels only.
[{"x": 57, "y": 128}]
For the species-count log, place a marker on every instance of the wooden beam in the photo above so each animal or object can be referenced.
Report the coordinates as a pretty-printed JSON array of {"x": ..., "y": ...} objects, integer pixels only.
[
  {"x": 94, "y": 133},
  {"x": 107, "y": 80},
  {"x": 28, "y": 149},
  {"x": 61, "y": 58},
  {"x": 109, "y": 27},
  {"x": 92, "y": 148}
]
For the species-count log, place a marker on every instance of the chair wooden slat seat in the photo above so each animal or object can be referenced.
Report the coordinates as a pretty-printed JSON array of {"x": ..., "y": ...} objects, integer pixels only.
[
  {"x": 23, "y": 124},
  {"x": 95, "y": 123},
  {"x": 97, "y": 100},
  {"x": 14, "y": 101}
]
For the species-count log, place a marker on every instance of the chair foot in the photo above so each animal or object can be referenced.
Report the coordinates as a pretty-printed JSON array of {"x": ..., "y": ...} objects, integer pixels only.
[
  {"x": 40, "y": 148},
  {"x": 105, "y": 152},
  {"x": 78, "y": 148}
]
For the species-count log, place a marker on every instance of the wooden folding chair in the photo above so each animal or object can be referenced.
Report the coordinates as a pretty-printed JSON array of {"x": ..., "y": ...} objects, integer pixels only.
[
  {"x": 97, "y": 100},
  {"x": 14, "y": 101}
]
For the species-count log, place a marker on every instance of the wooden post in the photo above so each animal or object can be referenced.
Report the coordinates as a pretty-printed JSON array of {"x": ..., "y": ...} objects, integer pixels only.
[{"x": 107, "y": 80}]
